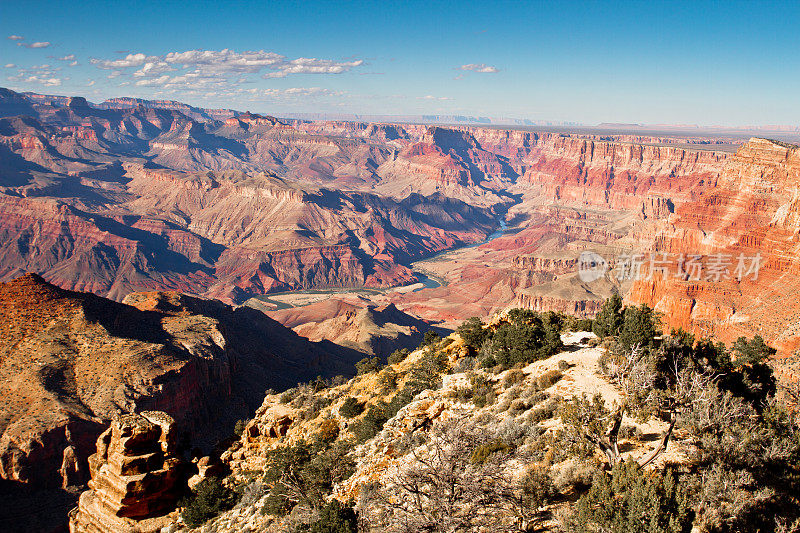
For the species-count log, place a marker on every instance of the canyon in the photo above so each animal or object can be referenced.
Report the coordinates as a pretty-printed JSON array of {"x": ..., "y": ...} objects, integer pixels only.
[
  {"x": 131, "y": 195},
  {"x": 133, "y": 232}
]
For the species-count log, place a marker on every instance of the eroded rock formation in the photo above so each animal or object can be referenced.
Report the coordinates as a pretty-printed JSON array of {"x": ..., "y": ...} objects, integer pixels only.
[{"x": 136, "y": 477}]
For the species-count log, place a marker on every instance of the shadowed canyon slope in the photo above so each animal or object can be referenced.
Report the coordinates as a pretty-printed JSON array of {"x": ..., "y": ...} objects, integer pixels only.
[{"x": 70, "y": 361}]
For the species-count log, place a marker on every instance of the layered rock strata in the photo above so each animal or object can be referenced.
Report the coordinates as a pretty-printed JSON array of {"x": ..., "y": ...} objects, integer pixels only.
[{"x": 136, "y": 477}]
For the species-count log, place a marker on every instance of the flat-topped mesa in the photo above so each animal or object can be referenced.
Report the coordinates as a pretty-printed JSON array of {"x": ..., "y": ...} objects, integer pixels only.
[{"x": 136, "y": 477}]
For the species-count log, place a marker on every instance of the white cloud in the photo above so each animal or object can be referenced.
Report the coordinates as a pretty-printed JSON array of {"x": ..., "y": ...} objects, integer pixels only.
[
  {"x": 312, "y": 66},
  {"x": 41, "y": 80},
  {"x": 431, "y": 97},
  {"x": 131, "y": 60},
  {"x": 480, "y": 67},
  {"x": 89, "y": 83},
  {"x": 37, "y": 44},
  {"x": 74, "y": 64},
  {"x": 10, "y": 65},
  {"x": 206, "y": 69},
  {"x": 153, "y": 68},
  {"x": 16, "y": 37},
  {"x": 68, "y": 57},
  {"x": 156, "y": 82},
  {"x": 225, "y": 60}
]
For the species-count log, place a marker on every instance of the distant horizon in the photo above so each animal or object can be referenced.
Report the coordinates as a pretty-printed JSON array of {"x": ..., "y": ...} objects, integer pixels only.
[
  {"x": 790, "y": 132},
  {"x": 680, "y": 62}
]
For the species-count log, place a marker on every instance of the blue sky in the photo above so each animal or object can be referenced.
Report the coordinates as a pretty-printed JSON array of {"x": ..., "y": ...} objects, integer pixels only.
[{"x": 727, "y": 63}]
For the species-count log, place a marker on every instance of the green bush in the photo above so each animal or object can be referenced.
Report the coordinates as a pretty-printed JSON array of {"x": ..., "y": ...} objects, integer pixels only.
[
  {"x": 632, "y": 500},
  {"x": 372, "y": 423},
  {"x": 482, "y": 453},
  {"x": 482, "y": 390},
  {"x": 335, "y": 517},
  {"x": 209, "y": 498},
  {"x": 609, "y": 320},
  {"x": 473, "y": 333},
  {"x": 639, "y": 327},
  {"x": 431, "y": 337},
  {"x": 351, "y": 408},
  {"x": 238, "y": 429},
  {"x": 398, "y": 356},
  {"x": 387, "y": 379},
  {"x": 367, "y": 365},
  {"x": 304, "y": 474}
]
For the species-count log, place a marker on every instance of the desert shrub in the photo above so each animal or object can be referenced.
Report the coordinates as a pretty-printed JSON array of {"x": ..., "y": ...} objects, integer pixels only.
[
  {"x": 465, "y": 364},
  {"x": 387, "y": 379},
  {"x": 537, "y": 396},
  {"x": 209, "y": 498},
  {"x": 473, "y": 334},
  {"x": 576, "y": 475},
  {"x": 594, "y": 342},
  {"x": 482, "y": 390},
  {"x": 430, "y": 338},
  {"x": 545, "y": 412},
  {"x": 328, "y": 430},
  {"x": 632, "y": 500},
  {"x": 312, "y": 405},
  {"x": 371, "y": 423},
  {"x": 239, "y": 427},
  {"x": 351, "y": 408},
  {"x": 513, "y": 432},
  {"x": 513, "y": 393},
  {"x": 398, "y": 356},
  {"x": 548, "y": 379},
  {"x": 287, "y": 396},
  {"x": 335, "y": 517},
  {"x": 481, "y": 453},
  {"x": 304, "y": 474},
  {"x": 513, "y": 377},
  {"x": 563, "y": 366},
  {"x": 367, "y": 365},
  {"x": 427, "y": 371},
  {"x": 518, "y": 406},
  {"x": 630, "y": 432},
  {"x": 609, "y": 320}
]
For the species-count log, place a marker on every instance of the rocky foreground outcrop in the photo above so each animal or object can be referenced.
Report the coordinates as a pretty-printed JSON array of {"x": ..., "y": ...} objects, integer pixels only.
[
  {"x": 69, "y": 362},
  {"x": 136, "y": 477}
]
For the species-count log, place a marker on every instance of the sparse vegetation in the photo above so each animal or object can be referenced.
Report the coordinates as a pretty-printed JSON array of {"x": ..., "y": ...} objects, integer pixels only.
[{"x": 209, "y": 498}]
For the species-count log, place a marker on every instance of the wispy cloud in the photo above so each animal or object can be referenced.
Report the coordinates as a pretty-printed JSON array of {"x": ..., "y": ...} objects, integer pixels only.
[
  {"x": 16, "y": 37},
  {"x": 431, "y": 97},
  {"x": 37, "y": 44},
  {"x": 68, "y": 57},
  {"x": 10, "y": 65},
  {"x": 480, "y": 67}
]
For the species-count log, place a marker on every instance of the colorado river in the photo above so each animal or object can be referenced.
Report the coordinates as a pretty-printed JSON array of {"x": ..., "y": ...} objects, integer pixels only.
[{"x": 425, "y": 281}]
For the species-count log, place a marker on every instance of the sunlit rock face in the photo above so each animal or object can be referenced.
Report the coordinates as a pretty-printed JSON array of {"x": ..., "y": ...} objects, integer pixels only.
[{"x": 136, "y": 477}]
